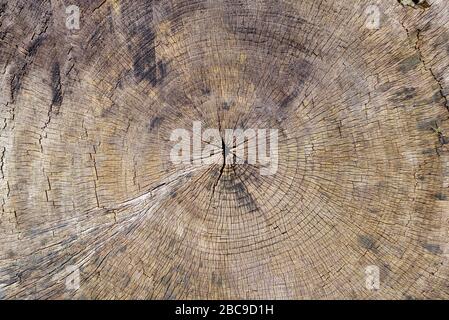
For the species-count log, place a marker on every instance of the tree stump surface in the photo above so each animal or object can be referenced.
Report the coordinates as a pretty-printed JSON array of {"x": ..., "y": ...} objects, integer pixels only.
[{"x": 86, "y": 180}]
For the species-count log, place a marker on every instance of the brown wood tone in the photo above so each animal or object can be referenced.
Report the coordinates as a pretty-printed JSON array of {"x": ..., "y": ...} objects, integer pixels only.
[{"x": 87, "y": 186}]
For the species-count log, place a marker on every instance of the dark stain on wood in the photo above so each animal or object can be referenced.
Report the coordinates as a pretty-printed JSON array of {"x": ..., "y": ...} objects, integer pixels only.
[
  {"x": 287, "y": 100},
  {"x": 433, "y": 248},
  {"x": 34, "y": 45},
  {"x": 405, "y": 94},
  {"x": 138, "y": 17},
  {"x": 156, "y": 122},
  {"x": 144, "y": 65},
  {"x": 409, "y": 63},
  {"x": 56, "y": 88},
  {"x": 21, "y": 68},
  {"x": 367, "y": 242},
  {"x": 225, "y": 106},
  {"x": 441, "y": 196}
]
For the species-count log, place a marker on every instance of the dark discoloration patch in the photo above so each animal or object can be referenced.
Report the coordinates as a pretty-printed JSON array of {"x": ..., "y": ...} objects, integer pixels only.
[
  {"x": 94, "y": 39},
  {"x": 34, "y": 45},
  {"x": 122, "y": 249},
  {"x": 441, "y": 196},
  {"x": 288, "y": 99},
  {"x": 2, "y": 9},
  {"x": 109, "y": 111},
  {"x": 438, "y": 96},
  {"x": 176, "y": 276},
  {"x": 186, "y": 281},
  {"x": 205, "y": 91},
  {"x": 126, "y": 279},
  {"x": 432, "y": 248},
  {"x": 300, "y": 70},
  {"x": 11, "y": 254},
  {"x": 39, "y": 35},
  {"x": 428, "y": 151},
  {"x": 156, "y": 122},
  {"x": 298, "y": 73},
  {"x": 165, "y": 280},
  {"x": 21, "y": 69},
  {"x": 119, "y": 83},
  {"x": 146, "y": 67},
  {"x": 385, "y": 86},
  {"x": 443, "y": 139},
  {"x": 367, "y": 242},
  {"x": 226, "y": 106},
  {"x": 162, "y": 69},
  {"x": 406, "y": 93},
  {"x": 169, "y": 295},
  {"x": 239, "y": 188},
  {"x": 145, "y": 60},
  {"x": 56, "y": 87},
  {"x": 244, "y": 198},
  {"x": 16, "y": 84},
  {"x": 427, "y": 125},
  {"x": 138, "y": 17},
  {"x": 409, "y": 63},
  {"x": 420, "y": 177},
  {"x": 216, "y": 279},
  {"x": 385, "y": 271}
]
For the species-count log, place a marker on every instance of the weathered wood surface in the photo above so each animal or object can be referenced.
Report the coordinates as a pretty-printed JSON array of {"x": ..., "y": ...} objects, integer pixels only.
[{"x": 85, "y": 121}]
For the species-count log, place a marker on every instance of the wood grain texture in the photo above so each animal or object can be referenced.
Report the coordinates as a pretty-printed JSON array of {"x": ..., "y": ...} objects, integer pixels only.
[{"x": 86, "y": 179}]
